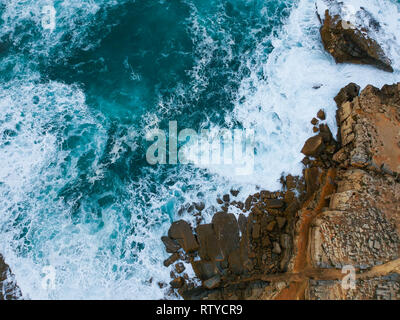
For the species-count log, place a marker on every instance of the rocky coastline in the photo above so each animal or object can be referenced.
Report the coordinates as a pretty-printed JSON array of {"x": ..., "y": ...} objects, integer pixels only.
[
  {"x": 343, "y": 210},
  {"x": 294, "y": 243}
]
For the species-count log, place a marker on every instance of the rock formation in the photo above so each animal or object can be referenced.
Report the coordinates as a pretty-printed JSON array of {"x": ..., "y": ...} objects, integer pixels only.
[
  {"x": 349, "y": 44},
  {"x": 343, "y": 212},
  {"x": 8, "y": 288}
]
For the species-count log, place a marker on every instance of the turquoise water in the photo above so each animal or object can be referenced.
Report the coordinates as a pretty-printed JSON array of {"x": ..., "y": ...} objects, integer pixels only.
[{"x": 76, "y": 102}]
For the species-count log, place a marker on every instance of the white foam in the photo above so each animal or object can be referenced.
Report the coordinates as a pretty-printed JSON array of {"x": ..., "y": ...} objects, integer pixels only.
[{"x": 22, "y": 23}]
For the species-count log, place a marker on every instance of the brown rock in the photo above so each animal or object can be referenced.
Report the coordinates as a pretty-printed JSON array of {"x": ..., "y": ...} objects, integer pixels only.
[
  {"x": 212, "y": 283},
  {"x": 242, "y": 222},
  {"x": 347, "y": 94},
  {"x": 281, "y": 222},
  {"x": 313, "y": 146},
  {"x": 209, "y": 249},
  {"x": 350, "y": 45},
  {"x": 325, "y": 133},
  {"x": 256, "y": 231},
  {"x": 277, "y": 248},
  {"x": 171, "y": 246},
  {"x": 240, "y": 205},
  {"x": 227, "y": 232},
  {"x": 289, "y": 197},
  {"x": 235, "y": 262},
  {"x": 271, "y": 226},
  {"x": 285, "y": 241},
  {"x": 321, "y": 115},
  {"x": 248, "y": 202},
  {"x": 182, "y": 233},
  {"x": 177, "y": 283},
  {"x": 200, "y": 206},
  {"x": 9, "y": 289},
  {"x": 314, "y": 121},
  {"x": 179, "y": 267},
  {"x": 290, "y": 182},
  {"x": 234, "y": 192},
  {"x": 274, "y": 203},
  {"x": 311, "y": 176},
  {"x": 172, "y": 259},
  {"x": 266, "y": 242},
  {"x": 204, "y": 270}
]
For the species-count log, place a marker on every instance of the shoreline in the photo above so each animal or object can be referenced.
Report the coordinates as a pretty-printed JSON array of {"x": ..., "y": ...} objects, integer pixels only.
[{"x": 295, "y": 247}]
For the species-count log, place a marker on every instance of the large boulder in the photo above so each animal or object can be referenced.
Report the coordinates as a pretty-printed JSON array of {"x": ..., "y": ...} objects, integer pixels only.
[
  {"x": 209, "y": 249},
  {"x": 313, "y": 146},
  {"x": 227, "y": 233},
  {"x": 348, "y": 93},
  {"x": 348, "y": 44},
  {"x": 171, "y": 246},
  {"x": 182, "y": 233}
]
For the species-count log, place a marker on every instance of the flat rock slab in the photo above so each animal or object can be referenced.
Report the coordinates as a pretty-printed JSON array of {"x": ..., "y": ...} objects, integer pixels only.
[
  {"x": 182, "y": 233},
  {"x": 227, "y": 233}
]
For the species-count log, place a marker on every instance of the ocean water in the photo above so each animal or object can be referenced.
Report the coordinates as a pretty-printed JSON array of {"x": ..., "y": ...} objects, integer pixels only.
[{"x": 81, "y": 211}]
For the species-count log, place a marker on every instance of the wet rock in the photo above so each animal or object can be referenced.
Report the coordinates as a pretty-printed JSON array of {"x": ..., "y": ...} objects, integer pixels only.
[
  {"x": 234, "y": 193},
  {"x": 209, "y": 249},
  {"x": 227, "y": 232},
  {"x": 8, "y": 288},
  {"x": 314, "y": 121},
  {"x": 172, "y": 259},
  {"x": 281, "y": 222},
  {"x": 285, "y": 241},
  {"x": 248, "y": 202},
  {"x": 313, "y": 146},
  {"x": 277, "y": 248},
  {"x": 289, "y": 197},
  {"x": 274, "y": 203},
  {"x": 347, "y": 94},
  {"x": 290, "y": 182},
  {"x": 236, "y": 262},
  {"x": 177, "y": 283},
  {"x": 321, "y": 115},
  {"x": 271, "y": 226},
  {"x": 311, "y": 176},
  {"x": 204, "y": 270},
  {"x": 182, "y": 233},
  {"x": 266, "y": 242},
  {"x": 226, "y": 198},
  {"x": 242, "y": 222},
  {"x": 200, "y": 206},
  {"x": 325, "y": 133},
  {"x": 179, "y": 267},
  {"x": 240, "y": 205},
  {"x": 351, "y": 45},
  {"x": 256, "y": 231},
  {"x": 171, "y": 246},
  {"x": 212, "y": 283}
]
